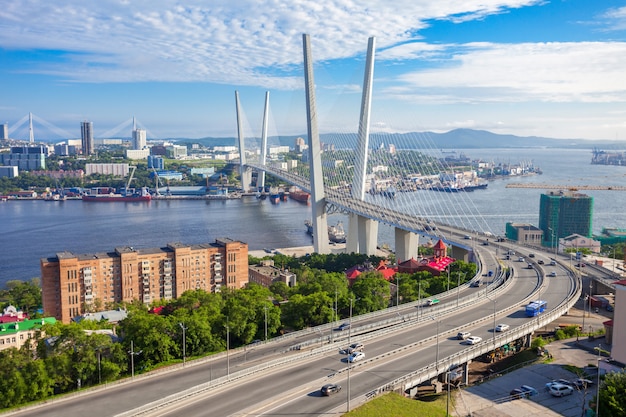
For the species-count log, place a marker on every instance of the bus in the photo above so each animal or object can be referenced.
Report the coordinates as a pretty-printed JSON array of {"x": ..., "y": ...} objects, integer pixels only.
[{"x": 536, "y": 307}]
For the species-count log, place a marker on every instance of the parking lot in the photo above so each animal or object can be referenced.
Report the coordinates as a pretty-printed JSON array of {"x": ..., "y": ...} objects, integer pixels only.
[{"x": 492, "y": 399}]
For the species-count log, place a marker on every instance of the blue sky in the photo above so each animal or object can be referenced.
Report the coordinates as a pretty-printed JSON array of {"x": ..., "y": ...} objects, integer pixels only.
[{"x": 553, "y": 68}]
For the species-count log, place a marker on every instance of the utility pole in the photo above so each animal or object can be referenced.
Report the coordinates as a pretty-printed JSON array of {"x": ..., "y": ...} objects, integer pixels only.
[{"x": 182, "y": 326}]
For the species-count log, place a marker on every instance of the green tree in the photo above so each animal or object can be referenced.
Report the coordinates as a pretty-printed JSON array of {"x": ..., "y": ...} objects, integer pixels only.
[
  {"x": 152, "y": 335},
  {"x": 372, "y": 292},
  {"x": 612, "y": 399}
]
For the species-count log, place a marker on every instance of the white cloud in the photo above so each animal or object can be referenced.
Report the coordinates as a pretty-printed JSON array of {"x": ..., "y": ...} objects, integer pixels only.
[
  {"x": 241, "y": 42},
  {"x": 589, "y": 72}
]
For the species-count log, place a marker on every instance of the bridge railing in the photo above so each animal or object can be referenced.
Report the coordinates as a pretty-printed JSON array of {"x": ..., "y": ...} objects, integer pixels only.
[{"x": 433, "y": 370}]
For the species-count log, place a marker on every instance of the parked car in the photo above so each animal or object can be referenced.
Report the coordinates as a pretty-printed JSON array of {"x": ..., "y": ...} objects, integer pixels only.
[
  {"x": 558, "y": 382},
  {"x": 467, "y": 237},
  {"x": 330, "y": 389},
  {"x": 517, "y": 393},
  {"x": 552, "y": 274},
  {"x": 502, "y": 327},
  {"x": 463, "y": 335},
  {"x": 582, "y": 382},
  {"x": 530, "y": 390},
  {"x": 559, "y": 390},
  {"x": 355, "y": 347},
  {"x": 356, "y": 356},
  {"x": 609, "y": 307},
  {"x": 472, "y": 340},
  {"x": 343, "y": 326}
]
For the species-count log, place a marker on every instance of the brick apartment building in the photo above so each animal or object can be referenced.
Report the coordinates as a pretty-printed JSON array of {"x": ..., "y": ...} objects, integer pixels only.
[{"x": 76, "y": 284}]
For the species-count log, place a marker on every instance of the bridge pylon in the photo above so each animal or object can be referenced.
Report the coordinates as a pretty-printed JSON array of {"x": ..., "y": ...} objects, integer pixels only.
[
  {"x": 318, "y": 198},
  {"x": 244, "y": 171}
]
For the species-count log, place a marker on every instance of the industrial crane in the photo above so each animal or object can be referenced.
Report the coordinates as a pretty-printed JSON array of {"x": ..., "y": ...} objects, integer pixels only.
[{"x": 567, "y": 187}]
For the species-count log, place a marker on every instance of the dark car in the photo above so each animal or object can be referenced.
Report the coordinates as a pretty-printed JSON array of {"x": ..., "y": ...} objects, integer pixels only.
[
  {"x": 343, "y": 326},
  {"x": 518, "y": 393},
  {"x": 330, "y": 389}
]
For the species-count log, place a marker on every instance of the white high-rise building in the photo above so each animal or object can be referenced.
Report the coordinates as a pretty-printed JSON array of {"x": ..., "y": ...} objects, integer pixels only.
[
  {"x": 5, "y": 131},
  {"x": 139, "y": 139}
]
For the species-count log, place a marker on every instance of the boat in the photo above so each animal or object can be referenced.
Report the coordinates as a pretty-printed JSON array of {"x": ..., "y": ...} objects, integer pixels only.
[
  {"x": 336, "y": 233},
  {"x": 301, "y": 196},
  {"x": 55, "y": 197},
  {"x": 459, "y": 187},
  {"x": 309, "y": 227},
  {"x": 141, "y": 196},
  {"x": 274, "y": 196}
]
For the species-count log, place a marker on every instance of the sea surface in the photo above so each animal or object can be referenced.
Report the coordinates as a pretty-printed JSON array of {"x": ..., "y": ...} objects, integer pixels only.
[{"x": 32, "y": 230}]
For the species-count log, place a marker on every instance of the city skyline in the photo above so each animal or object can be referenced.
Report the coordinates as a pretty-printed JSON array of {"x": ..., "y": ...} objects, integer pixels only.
[{"x": 521, "y": 67}]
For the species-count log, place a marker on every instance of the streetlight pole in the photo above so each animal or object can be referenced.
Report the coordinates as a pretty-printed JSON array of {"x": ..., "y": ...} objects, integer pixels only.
[
  {"x": 132, "y": 354},
  {"x": 397, "y": 291},
  {"x": 227, "y": 352},
  {"x": 182, "y": 326},
  {"x": 265, "y": 311},
  {"x": 458, "y": 287},
  {"x": 448, "y": 278},
  {"x": 349, "y": 343},
  {"x": 99, "y": 372},
  {"x": 437, "y": 349},
  {"x": 419, "y": 297},
  {"x": 598, "y": 382}
]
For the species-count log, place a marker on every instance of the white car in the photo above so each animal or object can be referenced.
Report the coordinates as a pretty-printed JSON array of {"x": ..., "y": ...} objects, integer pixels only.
[
  {"x": 559, "y": 390},
  {"x": 356, "y": 356},
  {"x": 502, "y": 327},
  {"x": 472, "y": 340},
  {"x": 552, "y": 274},
  {"x": 355, "y": 347}
]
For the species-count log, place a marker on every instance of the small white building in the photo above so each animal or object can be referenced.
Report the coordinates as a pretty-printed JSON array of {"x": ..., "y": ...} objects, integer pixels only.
[{"x": 576, "y": 241}]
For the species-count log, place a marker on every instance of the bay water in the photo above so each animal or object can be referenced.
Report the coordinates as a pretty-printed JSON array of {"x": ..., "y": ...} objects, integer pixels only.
[{"x": 32, "y": 230}]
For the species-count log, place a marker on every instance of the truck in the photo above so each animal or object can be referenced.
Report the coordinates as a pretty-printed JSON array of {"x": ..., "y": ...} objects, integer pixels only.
[{"x": 432, "y": 302}]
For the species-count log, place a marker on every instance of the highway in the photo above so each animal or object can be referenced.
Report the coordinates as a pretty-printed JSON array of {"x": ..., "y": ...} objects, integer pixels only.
[{"x": 292, "y": 388}]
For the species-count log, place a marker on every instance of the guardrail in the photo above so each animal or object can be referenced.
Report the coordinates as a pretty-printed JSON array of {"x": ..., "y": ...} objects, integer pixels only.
[
  {"x": 285, "y": 360},
  {"x": 433, "y": 370}
]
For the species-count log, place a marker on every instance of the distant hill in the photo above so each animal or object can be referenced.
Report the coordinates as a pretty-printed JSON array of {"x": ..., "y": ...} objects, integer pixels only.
[{"x": 454, "y": 139}]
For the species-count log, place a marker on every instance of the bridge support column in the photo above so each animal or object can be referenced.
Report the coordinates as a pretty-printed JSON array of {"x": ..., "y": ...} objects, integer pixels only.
[
  {"x": 244, "y": 172},
  {"x": 368, "y": 235},
  {"x": 352, "y": 240},
  {"x": 362, "y": 235},
  {"x": 406, "y": 244}
]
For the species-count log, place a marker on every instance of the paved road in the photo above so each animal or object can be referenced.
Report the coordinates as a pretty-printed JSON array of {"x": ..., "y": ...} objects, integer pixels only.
[{"x": 489, "y": 399}]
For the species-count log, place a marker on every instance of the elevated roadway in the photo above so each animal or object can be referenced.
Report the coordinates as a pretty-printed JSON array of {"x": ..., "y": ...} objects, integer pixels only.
[{"x": 288, "y": 371}]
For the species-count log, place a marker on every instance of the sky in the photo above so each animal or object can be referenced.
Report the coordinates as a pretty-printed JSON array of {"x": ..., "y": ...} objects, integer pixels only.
[{"x": 551, "y": 68}]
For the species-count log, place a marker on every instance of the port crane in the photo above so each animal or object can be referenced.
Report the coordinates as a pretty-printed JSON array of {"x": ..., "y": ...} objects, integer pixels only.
[{"x": 570, "y": 187}]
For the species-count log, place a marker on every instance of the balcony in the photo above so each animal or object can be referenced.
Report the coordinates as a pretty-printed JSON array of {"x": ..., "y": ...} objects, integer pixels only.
[{"x": 217, "y": 267}]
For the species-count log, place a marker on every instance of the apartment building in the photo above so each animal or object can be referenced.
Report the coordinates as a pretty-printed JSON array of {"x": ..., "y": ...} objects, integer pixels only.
[{"x": 76, "y": 284}]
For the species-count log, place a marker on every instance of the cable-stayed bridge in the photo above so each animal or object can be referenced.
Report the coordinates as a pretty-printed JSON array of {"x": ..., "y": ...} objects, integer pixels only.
[
  {"x": 26, "y": 129},
  {"x": 402, "y": 180}
]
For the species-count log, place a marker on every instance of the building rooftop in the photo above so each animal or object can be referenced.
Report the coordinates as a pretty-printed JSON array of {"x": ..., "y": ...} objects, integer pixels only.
[{"x": 13, "y": 328}]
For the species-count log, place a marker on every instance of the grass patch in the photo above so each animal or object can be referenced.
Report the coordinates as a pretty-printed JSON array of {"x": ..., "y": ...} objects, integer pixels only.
[{"x": 395, "y": 405}]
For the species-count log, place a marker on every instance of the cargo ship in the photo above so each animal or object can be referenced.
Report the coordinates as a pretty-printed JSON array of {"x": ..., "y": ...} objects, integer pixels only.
[
  {"x": 336, "y": 233},
  {"x": 128, "y": 195},
  {"x": 134, "y": 197},
  {"x": 301, "y": 196}
]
